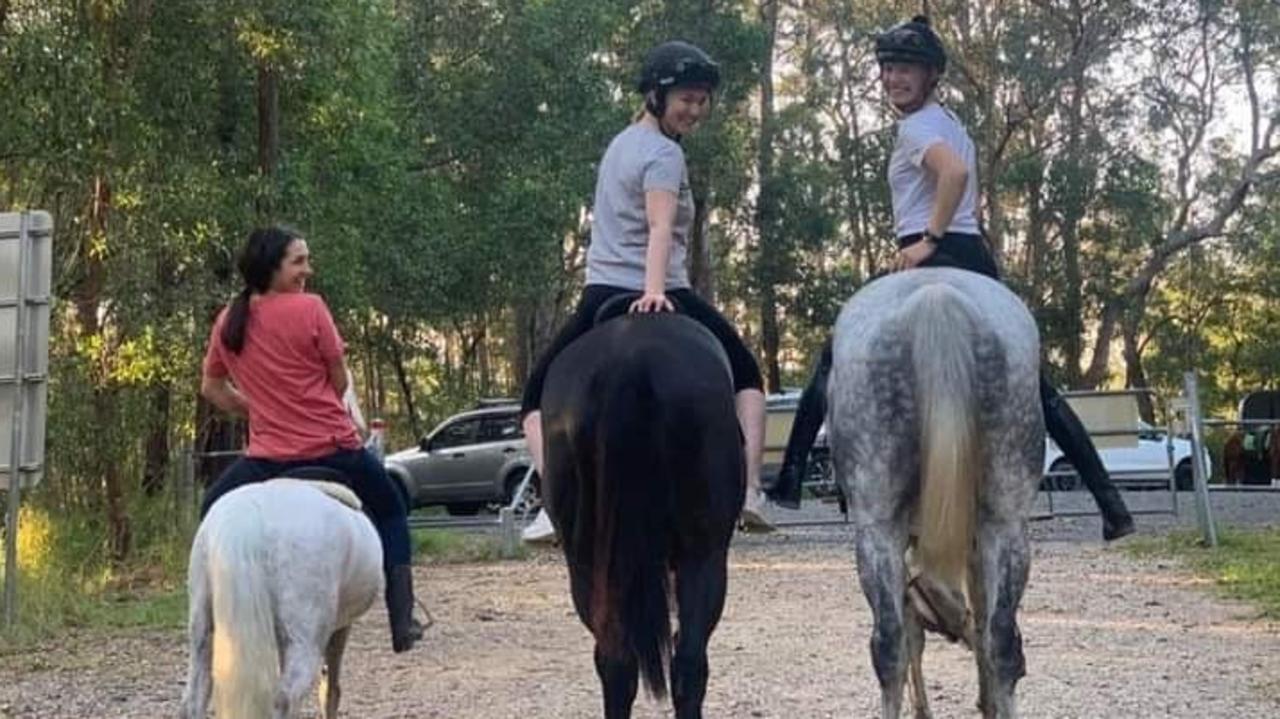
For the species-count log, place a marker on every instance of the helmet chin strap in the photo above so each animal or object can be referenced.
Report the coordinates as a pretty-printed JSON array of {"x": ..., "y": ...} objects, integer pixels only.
[{"x": 657, "y": 106}]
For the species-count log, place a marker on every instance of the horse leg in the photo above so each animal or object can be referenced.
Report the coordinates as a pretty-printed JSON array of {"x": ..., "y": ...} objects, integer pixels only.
[
  {"x": 300, "y": 668},
  {"x": 915, "y": 650},
  {"x": 700, "y": 591},
  {"x": 978, "y": 601},
  {"x": 620, "y": 678},
  {"x": 195, "y": 701},
  {"x": 881, "y": 548},
  {"x": 330, "y": 680},
  {"x": 1005, "y": 561}
]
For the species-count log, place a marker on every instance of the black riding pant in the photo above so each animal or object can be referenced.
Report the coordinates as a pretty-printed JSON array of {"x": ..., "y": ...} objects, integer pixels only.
[
  {"x": 365, "y": 476},
  {"x": 746, "y": 373}
]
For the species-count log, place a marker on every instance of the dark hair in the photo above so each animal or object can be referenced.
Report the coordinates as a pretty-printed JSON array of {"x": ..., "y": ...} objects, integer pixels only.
[
  {"x": 912, "y": 42},
  {"x": 262, "y": 255}
]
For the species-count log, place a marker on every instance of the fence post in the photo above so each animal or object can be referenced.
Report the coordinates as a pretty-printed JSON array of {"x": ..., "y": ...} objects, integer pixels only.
[
  {"x": 187, "y": 487},
  {"x": 507, "y": 525},
  {"x": 1199, "y": 472}
]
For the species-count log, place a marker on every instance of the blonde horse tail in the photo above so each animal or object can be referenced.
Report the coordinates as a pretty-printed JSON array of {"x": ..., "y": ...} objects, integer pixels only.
[
  {"x": 942, "y": 340},
  {"x": 246, "y": 664}
]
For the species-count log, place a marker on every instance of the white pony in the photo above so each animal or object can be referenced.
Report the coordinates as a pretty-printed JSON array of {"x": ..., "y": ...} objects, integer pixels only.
[{"x": 279, "y": 571}]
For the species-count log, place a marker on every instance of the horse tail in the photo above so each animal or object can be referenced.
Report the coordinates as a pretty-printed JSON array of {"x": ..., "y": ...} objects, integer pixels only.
[
  {"x": 942, "y": 341},
  {"x": 629, "y": 611},
  {"x": 246, "y": 665}
]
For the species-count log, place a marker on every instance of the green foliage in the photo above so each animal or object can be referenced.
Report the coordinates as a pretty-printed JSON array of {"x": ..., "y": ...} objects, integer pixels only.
[
  {"x": 440, "y": 158},
  {"x": 67, "y": 580}
]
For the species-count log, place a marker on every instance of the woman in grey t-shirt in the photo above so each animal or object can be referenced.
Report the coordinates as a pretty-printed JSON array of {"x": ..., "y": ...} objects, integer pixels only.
[{"x": 640, "y": 227}]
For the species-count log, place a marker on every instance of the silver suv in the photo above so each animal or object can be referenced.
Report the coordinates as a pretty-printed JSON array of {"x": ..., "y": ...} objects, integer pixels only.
[{"x": 470, "y": 461}]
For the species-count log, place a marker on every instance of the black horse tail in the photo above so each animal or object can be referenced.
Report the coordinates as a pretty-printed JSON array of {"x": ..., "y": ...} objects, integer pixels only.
[{"x": 629, "y": 612}]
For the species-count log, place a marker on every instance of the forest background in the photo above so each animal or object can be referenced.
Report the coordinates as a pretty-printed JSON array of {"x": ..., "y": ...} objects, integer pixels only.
[{"x": 440, "y": 157}]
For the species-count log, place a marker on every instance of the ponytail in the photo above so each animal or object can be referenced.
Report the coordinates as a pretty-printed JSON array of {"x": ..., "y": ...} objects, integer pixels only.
[{"x": 237, "y": 320}]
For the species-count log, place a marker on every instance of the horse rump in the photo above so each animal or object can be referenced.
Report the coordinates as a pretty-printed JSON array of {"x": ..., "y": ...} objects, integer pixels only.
[{"x": 631, "y": 410}]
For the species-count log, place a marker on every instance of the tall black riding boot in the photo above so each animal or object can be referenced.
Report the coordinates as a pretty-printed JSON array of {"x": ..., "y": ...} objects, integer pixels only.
[
  {"x": 405, "y": 630},
  {"x": 1067, "y": 430},
  {"x": 812, "y": 410}
]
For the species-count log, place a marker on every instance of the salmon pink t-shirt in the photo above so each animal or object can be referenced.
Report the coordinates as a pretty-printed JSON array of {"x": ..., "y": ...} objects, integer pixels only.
[{"x": 282, "y": 371}]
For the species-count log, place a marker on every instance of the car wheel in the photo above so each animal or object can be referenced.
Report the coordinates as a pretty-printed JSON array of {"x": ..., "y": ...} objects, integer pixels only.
[
  {"x": 532, "y": 500},
  {"x": 1066, "y": 482},
  {"x": 463, "y": 509},
  {"x": 1183, "y": 476}
]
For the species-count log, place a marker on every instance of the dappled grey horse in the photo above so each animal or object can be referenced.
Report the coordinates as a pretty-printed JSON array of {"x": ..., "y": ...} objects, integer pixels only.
[{"x": 938, "y": 439}]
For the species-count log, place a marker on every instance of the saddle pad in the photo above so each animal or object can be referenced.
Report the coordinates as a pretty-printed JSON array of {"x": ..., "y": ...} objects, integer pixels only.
[{"x": 339, "y": 492}]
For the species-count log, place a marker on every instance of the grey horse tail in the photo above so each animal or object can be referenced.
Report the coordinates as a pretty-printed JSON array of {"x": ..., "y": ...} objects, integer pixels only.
[{"x": 943, "y": 333}]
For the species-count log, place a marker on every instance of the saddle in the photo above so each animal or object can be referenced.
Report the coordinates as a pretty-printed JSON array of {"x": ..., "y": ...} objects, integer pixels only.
[
  {"x": 620, "y": 305},
  {"x": 329, "y": 481}
]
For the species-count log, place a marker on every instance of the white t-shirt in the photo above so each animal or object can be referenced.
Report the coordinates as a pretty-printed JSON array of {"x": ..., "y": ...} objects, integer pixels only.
[{"x": 913, "y": 188}]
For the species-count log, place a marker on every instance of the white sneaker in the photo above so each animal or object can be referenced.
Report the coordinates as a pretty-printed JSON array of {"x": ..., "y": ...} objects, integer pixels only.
[
  {"x": 540, "y": 530},
  {"x": 753, "y": 519}
]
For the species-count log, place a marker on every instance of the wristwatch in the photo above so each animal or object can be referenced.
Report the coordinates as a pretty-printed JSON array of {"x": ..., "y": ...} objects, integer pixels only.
[{"x": 930, "y": 237}]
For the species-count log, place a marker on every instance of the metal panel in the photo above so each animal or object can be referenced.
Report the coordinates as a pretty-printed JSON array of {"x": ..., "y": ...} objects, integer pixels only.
[{"x": 25, "y": 282}]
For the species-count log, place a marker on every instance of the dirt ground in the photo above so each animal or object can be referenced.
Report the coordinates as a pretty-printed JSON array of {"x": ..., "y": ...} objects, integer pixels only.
[{"x": 1105, "y": 635}]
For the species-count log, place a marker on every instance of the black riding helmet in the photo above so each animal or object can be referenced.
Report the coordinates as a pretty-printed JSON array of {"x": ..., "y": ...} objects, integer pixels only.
[
  {"x": 913, "y": 42},
  {"x": 675, "y": 64}
]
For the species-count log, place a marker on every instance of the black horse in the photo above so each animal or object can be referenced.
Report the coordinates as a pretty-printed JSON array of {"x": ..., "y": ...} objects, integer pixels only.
[{"x": 644, "y": 481}]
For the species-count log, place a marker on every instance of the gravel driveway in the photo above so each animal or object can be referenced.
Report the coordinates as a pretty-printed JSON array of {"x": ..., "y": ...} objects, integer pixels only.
[{"x": 1106, "y": 634}]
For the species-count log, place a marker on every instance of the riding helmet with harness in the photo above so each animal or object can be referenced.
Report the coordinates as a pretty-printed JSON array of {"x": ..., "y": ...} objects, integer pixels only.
[{"x": 674, "y": 64}]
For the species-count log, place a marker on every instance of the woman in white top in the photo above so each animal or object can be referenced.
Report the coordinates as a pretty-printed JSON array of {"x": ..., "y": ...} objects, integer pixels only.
[{"x": 933, "y": 182}]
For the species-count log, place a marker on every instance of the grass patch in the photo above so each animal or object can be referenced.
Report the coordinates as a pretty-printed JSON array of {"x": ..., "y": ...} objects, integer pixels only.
[
  {"x": 1245, "y": 565},
  {"x": 66, "y": 580},
  {"x": 443, "y": 546}
]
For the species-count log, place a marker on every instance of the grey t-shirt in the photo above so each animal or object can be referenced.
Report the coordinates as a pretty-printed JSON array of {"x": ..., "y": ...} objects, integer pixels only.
[{"x": 639, "y": 159}]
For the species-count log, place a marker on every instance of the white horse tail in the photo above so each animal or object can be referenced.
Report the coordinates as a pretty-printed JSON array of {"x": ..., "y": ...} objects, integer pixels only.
[
  {"x": 246, "y": 665},
  {"x": 942, "y": 335}
]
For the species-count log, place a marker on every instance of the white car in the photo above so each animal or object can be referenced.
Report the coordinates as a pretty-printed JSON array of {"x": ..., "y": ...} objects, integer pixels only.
[{"x": 1143, "y": 465}]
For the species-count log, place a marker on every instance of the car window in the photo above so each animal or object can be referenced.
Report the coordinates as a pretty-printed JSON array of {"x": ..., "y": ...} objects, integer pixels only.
[
  {"x": 456, "y": 434},
  {"x": 500, "y": 429}
]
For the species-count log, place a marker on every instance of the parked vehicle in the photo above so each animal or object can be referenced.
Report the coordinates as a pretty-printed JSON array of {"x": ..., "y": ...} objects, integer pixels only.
[
  {"x": 1144, "y": 466},
  {"x": 470, "y": 461},
  {"x": 1141, "y": 466}
]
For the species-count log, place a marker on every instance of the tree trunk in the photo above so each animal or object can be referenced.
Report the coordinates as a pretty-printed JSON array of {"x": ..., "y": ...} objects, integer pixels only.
[
  {"x": 268, "y": 135},
  {"x": 406, "y": 390},
  {"x": 156, "y": 467},
  {"x": 701, "y": 267},
  {"x": 1135, "y": 375},
  {"x": 766, "y": 208},
  {"x": 1078, "y": 180},
  {"x": 87, "y": 298}
]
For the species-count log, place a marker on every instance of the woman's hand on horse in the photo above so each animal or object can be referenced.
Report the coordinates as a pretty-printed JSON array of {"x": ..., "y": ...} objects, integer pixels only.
[
  {"x": 913, "y": 254},
  {"x": 651, "y": 302}
]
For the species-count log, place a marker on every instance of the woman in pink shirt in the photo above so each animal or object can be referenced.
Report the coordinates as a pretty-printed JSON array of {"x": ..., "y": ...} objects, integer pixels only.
[{"x": 275, "y": 356}]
